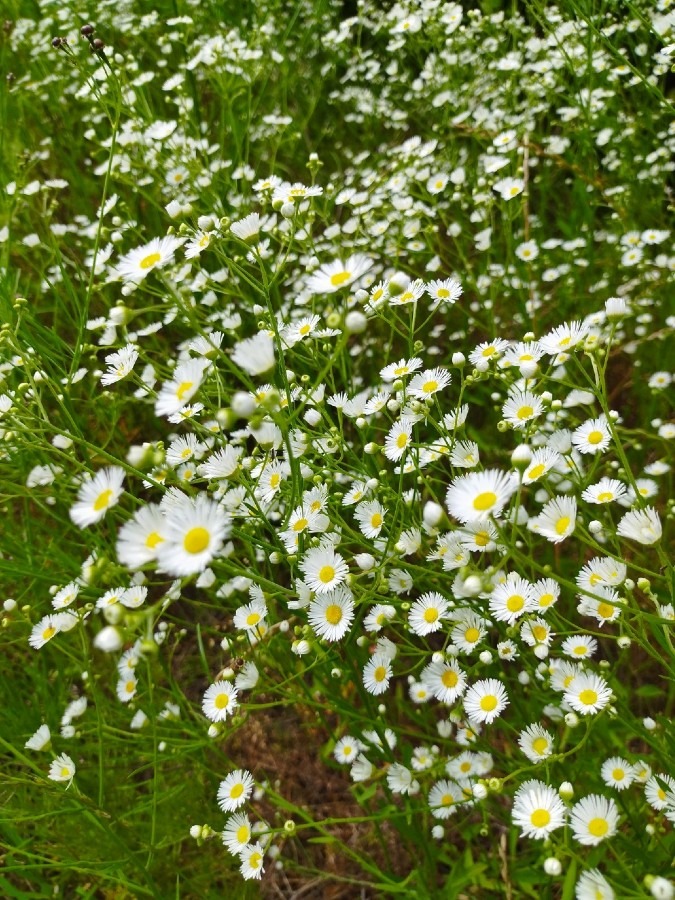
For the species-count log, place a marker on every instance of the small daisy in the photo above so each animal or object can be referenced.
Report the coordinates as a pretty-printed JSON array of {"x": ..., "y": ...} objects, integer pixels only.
[
  {"x": 557, "y": 520},
  {"x": 337, "y": 274},
  {"x": 537, "y": 810},
  {"x": 593, "y": 886},
  {"x": 323, "y": 568},
  {"x": 478, "y": 495},
  {"x": 119, "y": 364},
  {"x": 235, "y": 790},
  {"x": 536, "y": 743},
  {"x": 536, "y": 632},
  {"x": 139, "y": 538},
  {"x": 400, "y": 369},
  {"x": 605, "y": 605},
  {"x": 237, "y": 833},
  {"x": 347, "y": 749},
  {"x": 429, "y": 382},
  {"x": 41, "y": 740},
  {"x": 617, "y": 773},
  {"x": 511, "y": 599},
  {"x": 563, "y": 338},
  {"x": 607, "y": 490},
  {"x": 255, "y": 355},
  {"x": 543, "y": 460},
  {"x": 445, "y": 680},
  {"x": 545, "y": 593},
  {"x": 641, "y": 525},
  {"x": 370, "y": 516},
  {"x": 426, "y": 614},
  {"x": 508, "y": 188},
  {"x": 594, "y": 819},
  {"x": 465, "y": 455},
  {"x": 248, "y": 228},
  {"x": 377, "y": 674},
  {"x": 186, "y": 381},
  {"x": 96, "y": 495},
  {"x": 521, "y": 407},
  {"x": 251, "y": 862},
  {"x": 137, "y": 264},
  {"x": 587, "y": 693},
  {"x": 410, "y": 294},
  {"x": 194, "y": 531},
  {"x": 487, "y": 352},
  {"x": 579, "y": 646},
  {"x": 468, "y": 633},
  {"x": 62, "y": 769},
  {"x": 485, "y": 700},
  {"x": 332, "y": 613},
  {"x": 655, "y": 794},
  {"x": 219, "y": 701},
  {"x": 398, "y": 440},
  {"x": 445, "y": 292},
  {"x": 444, "y": 797},
  {"x": 593, "y": 436}
]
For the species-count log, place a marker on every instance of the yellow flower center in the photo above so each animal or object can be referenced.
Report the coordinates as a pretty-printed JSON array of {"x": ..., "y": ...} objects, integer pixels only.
[
  {"x": 540, "y": 745},
  {"x": 465, "y": 767},
  {"x": 275, "y": 478},
  {"x": 305, "y": 329},
  {"x": 605, "y": 497},
  {"x": 153, "y": 539},
  {"x": 482, "y": 539},
  {"x": 300, "y": 525},
  {"x": 605, "y": 610},
  {"x": 340, "y": 278},
  {"x": 236, "y": 790},
  {"x": 252, "y": 618},
  {"x": 103, "y": 500},
  {"x": 150, "y": 260},
  {"x": 442, "y": 292},
  {"x": 595, "y": 437},
  {"x": 525, "y": 412},
  {"x": 333, "y": 614},
  {"x": 562, "y": 524},
  {"x": 540, "y": 818},
  {"x": 221, "y": 701},
  {"x": 536, "y": 471},
  {"x": 618, "y": 774},
  {"x": 430, "y": 386},
  {"x": 65, "y": 772},
  {"x": 545, "y": 600},
  {"x": 447, "y": 800},
  {"x": 183, "y": 388},
  {"x": 515, "y": 603},
  {"x": 485, "y": 501},
  {"x": 588, "y": 697},
  {"x": 598, "y": 827},
  {"x": 488, "y": 702},
  {"x": 243, "y": 834},
  {"x": 471, "y": 635},
  {"x": 380, "y": 673},
  {"x": 402, "y": 440},
  {"x": 196, "y": 540},
  {"x": 489, "y": 351},
  {"x": 430, "y": 615},
  {"x": 449, "y": 678},
  {"x": 326, "y": 574},
  {"x": 581, "y": 650},
  {"x": 539, "y": 632},
  {"x": 376, "y": 520},
  {"x": 48, "y": 633}
]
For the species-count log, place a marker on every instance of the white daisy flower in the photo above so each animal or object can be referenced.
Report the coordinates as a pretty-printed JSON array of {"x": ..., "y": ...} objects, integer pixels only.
[
  {"x": 252, "y": 862},
  {"x": 521, "y": 407},
  {"x": 587, "y": 693},
  {"x": 427, "y": 613},
  {"x": 398, "y": 440},
  {"x": 537, "y": 810},
  {"x": 96, "y": 495},
  {"x": 445, "y": 679},
  {"x": 536, "y": 743},
  {"x": 235, "y": 790},
  {"x": 194, "y": 532},
  {"x": 485, "y": 700},
  {"x": 255, "y": 355},
  {"x": 219, "y": 701},
  {"x": 557, "y": 520},
  {"x": 332, "y": 613},
  {"x": 594, "y": 819},
  {"x": 62, "y": 769},
  {"x": 138, "y": 263},
  {"x": 617, "y": 773},
  {"x": 337, "y": 274},
  {"x": 377, "y": 674},
  {"x": 478, "y": 495},
  {"x": 324, "y": 569},
  {"x": 139, "y": 538},
  {"x": 593, "y": 886},
  {"x": 120, "y": 364},
  {"x": 370, "y": 516},
  {"x": 186, "y": 381},
  {"x": 427, "y": 383},
  {"x": 237, "y": 833},
  {"x": 641, "y": 525}
]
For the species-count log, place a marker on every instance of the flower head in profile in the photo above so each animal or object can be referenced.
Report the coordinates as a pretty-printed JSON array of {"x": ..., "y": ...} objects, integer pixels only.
[
  {"x": 138, "y": 263},
  {"x": 337, "y": 274}
]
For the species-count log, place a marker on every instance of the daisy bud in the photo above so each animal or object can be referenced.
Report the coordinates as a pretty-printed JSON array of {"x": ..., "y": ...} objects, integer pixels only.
[
  {"x": 300, "y": 648},
  {"x": 365, "y": 561},
  {"x": 196, "y": 832},
  {"x": 289, "y": 826},
  {"x": 616, "y": 308},
  {"x": 437, "y": 832},
  {"x": 594, "y": 526},
  {"x": 571, "y": 720},
  {"x": 355, "y": 322},
  {"x": 485, "y": 657},
  {"x": 480, "y": 791},
  {"x": 473, "y": 586},
  {"x": 109, "y": 639},
  {"x": 371, "y": 448},
  {"x": 458, "y": 359},
  {"x": 529, "y": 369},
  {"x": 432, "y": 514},
  {"x": 287, "y": 210},
  {"x": 659, "y": 887},
  {"x": 566, "y": 791},
  {"x": 521, "y": 457},
  {"x": 552, "y": 866},
  {"x": 9, "y": 605},
  {"x": 649, "y": 723}
]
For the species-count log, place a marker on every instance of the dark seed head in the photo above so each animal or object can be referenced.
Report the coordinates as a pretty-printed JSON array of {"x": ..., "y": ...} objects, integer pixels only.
[
  {"x": 56, "y": 42},
  {"x": 98, "y": 44},
  {"x": 86, "y": 30}
]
